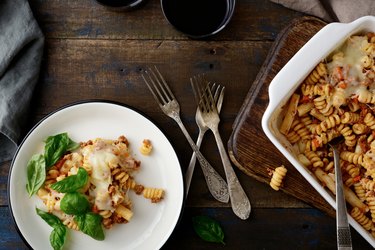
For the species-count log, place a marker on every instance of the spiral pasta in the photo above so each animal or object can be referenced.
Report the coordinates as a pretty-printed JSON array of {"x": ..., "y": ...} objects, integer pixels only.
[
  {"x": 317, "y": 89},
  {"x": 317, "y": 74},
  {"x": 154, "y": 194},
  {"x": 111, "y": 174},
  {"x": 337, "y": 99},
  {"x": 361, "y": 218},
  {"x": 277, "y": 177},
  {"x": 371, "y": 204},
  {"x": 146, "y": 147},
  {"x": 323, "y": 106},
  {"x": 360, "y": 191},
  {"x": 70, "y": 223}
]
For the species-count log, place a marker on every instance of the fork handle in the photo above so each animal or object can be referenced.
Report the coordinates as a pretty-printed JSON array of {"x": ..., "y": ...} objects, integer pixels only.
[
  {"x": 215, "y": 183},
  {"x": 344, "y": 240},
  {"x": 193, "y": 160},
  {"x": 239, "y": 200}
]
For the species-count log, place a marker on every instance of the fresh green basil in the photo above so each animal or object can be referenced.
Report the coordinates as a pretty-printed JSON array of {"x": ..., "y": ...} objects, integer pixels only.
[
  {"x": 90, "y": 224},
  {"x": 57, "y": 237},
  {"x": 51, "y": 219},
  {"x": 56, "y": 146},
  {"x": 36, "y": 174},
  {"x": 72, "y": 145},
  {"x": 74, "y": 203},
  {"x": 72, "y": 183},
  {"x": 58, "y": 234},
  {"x": 208, "y": 229}
]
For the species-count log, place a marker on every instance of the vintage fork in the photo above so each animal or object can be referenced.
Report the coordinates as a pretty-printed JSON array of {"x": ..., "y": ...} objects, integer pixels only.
[
  {"x": 344, "y": 240},
  {"x": 239, "y": 200},
  {"x": 218, "y": 98},
  {"x": 169, "y": 105}
]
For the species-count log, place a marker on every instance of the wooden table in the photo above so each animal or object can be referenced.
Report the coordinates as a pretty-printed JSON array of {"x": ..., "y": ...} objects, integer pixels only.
[{"x": 94, "y": 53}]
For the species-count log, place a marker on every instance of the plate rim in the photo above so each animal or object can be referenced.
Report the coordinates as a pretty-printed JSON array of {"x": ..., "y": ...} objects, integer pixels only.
[{"x": 76, "y": 103}]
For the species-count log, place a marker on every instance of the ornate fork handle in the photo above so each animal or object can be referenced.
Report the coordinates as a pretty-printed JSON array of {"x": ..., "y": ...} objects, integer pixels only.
[
  {"x": 215, "y": 183},
  {"x": 239, "y": 200},
  {"x": 344, "y": 241},
  {"x": 193, "y": 160}
]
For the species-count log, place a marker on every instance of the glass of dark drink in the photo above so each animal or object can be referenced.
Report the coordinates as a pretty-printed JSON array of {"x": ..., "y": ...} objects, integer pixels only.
[{"x": 198, "y": 18}]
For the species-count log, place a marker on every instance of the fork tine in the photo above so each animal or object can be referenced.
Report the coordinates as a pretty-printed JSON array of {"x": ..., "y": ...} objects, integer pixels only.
[
  {"x": 218, "y": 96},
  {"x": 203, "y": 90},
  {"x": 151, "y": 90},
  {"x": 153, "y": 87},
  {"x": 220, "y": 100},
  {"x": 154, "y": 78},
  {"x": 171, "y": 96},
  {"x": 216, "y": 90},
  {"x": 204, "y": 86},
  {"x": 198, "y": 92},
  {"x": 207, "y": 100}
]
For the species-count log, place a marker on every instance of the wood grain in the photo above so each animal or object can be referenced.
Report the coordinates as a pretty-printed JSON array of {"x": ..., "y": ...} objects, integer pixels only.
[
  {"x": 249, "y": 147},
  {"x": 252, "y": 20},
  {"x": 265, "y": 229},
  {"x": 262, "y": 231}
]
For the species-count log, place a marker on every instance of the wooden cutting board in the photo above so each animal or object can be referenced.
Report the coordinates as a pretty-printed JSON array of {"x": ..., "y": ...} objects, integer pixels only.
[{"x": 248, "y": 146}]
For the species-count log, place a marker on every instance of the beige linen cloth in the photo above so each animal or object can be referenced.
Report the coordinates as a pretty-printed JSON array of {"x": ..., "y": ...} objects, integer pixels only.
[{"x": 345, "y": 10}]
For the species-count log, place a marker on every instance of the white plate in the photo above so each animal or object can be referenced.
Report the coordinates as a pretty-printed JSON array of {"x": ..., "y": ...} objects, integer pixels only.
[{"x": 151, "y": 225}]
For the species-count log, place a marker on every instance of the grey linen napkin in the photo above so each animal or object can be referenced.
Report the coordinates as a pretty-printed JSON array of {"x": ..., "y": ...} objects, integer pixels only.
[
  {"x": 21, "y": 49},
  {"x": 345, "y": 10}
]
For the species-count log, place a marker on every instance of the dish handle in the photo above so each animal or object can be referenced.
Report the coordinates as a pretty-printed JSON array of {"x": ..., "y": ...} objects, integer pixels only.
[{"x": 297, "y": 64}]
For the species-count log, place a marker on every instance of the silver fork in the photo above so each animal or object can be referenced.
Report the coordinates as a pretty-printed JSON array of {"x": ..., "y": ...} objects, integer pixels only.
[
  {"x": 239, "y": 200},
  {"x": 344, "y": 240},
  {"x": 169, "y": 105},
  {"x": 218, "y": 98}
]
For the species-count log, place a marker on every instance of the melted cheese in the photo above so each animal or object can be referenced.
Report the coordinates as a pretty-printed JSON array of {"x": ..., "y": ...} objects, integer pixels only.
[
  {"x": 100, "y": 160},
  {"x": 349, "y": 57}
]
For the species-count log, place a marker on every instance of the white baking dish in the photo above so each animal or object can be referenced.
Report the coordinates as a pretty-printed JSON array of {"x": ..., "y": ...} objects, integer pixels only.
[{"x": 288, "y": 80}]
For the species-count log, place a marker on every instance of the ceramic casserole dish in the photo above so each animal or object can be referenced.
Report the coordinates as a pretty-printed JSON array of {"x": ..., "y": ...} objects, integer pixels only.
[{"x": 290, "y": 77}]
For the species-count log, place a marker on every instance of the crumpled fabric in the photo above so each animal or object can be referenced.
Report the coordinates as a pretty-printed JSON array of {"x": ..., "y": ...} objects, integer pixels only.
[
  {"x": 345, "y": 10},
  {"x": 21, "y": 51}
]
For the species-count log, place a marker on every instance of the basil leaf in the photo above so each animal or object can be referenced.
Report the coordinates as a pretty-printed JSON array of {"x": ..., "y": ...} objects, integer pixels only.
[
  {"x": 72, "y": 145},
  {"x": 74, "y": 203},
  {"x": 208, "y": 229},
  {"x": 91, "y": 224},
  {"x": 51, "y": 219},
  {"x": 58, "y": 234},
  {"x": 36, "y": 174},
  {"x": 72, "y": 183},
  {"x": 56, "y": 146},
  {"x": 57, "y": 237}
]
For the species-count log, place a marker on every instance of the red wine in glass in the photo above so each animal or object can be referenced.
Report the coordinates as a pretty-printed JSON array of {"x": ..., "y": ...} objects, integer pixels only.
[{"x": 198, "y": 18}]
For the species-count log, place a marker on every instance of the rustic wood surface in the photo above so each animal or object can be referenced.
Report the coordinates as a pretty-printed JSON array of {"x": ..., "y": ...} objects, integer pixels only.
[{"x": 94, "y": 53}]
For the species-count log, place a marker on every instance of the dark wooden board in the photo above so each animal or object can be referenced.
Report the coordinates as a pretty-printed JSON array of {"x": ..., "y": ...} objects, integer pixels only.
[{"x": 248, "y": 146}]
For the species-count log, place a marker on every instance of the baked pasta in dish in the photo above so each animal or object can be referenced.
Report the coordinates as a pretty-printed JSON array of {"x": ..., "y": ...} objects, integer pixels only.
[{"x": 338, "y": 99}]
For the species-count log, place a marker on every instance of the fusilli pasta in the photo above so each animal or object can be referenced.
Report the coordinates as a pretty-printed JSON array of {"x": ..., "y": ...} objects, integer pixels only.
[
  {"x": 111, "y": 170},
  {"x": 338, "y": 99}
]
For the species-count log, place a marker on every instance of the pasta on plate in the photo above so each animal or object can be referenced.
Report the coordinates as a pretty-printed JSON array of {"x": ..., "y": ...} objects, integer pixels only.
[
  {"x": 338, "y": 99},
  {"x": 111, "y": 170}
]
